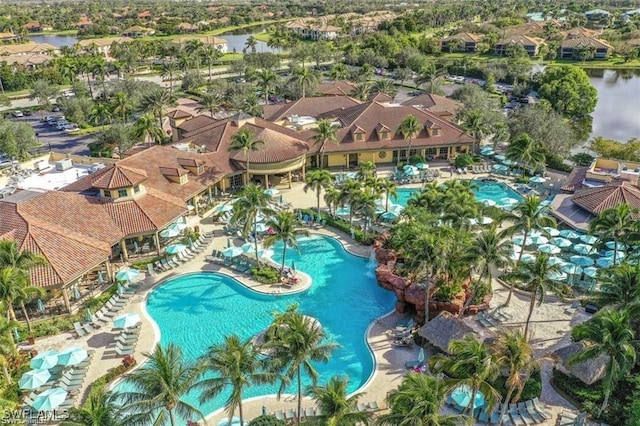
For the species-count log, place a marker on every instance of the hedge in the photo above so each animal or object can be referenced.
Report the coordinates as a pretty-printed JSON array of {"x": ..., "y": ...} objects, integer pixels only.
[{"x": 532, "y": 389}]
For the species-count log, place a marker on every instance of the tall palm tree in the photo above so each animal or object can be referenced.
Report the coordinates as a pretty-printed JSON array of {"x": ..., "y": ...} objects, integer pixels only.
[
  {"x": 336, "y": 406},
  {"x": 607, "y": 333},
  {"x": 526, "y": 151},
  {"x": 514, "y": 354},
  {"x": 616, "y": 224},
  {"x": 475, "y": 122},
  {"x": 339, "y": 71},
  {"x": 100, "y": 114},
  {"x": 234, "y": 363},
  {"x": 285, "y": 229},
  {"x": 390, "y": 189},
  {"x": 470, "y": 363},
  {"x": 99, "y": 410},
  {"x": 244, "y": 140},
  {"x": 409, "y": 128},
  {"x": 350, "y": 190},
  {"x": 317, "y": 180},
  {"x": 121, "y": 105},
  {"x": 169, "y": 70},
  {"x": 158, "y": 389},
  {"x": 209, "y": 56},
  {"x": 251, "y": 43},
  {"x": 526, "y": 216},
  {"x": 619, "y": 285},
  {"x": 8, "y": 347},
  {"x": 147, "y": 129},
  {"x": 211, "y": 103},
  {"x": 536, "y": 277},
  {"x": 324, "y": 132},
  {"x": 266, "y": 80},
  {"x": 362, "y": 91},
  {"x": 385, "y": 86},
  {"x": 193, "y": 48},
  {"x": 366, "y": 169},
  {"x": 365, "y": 205},
  {"x": 488, "y": 251},
  {"x": 155, "y": 101},
  {"x": 418, "y": 401},
  {"x": 332, "y": 198},
  {"x": 304, "y": 77},
  {"x": 296, "y": 343},
  {"x": 251, "y": 201}
]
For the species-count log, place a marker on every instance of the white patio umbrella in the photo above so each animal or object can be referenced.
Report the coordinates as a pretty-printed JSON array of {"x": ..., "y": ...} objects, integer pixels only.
[
  {"x": 552, "y": 232},
  {"x": 588, "y": 239},
  {"x": 232, "y": 252},
  {"x": 568, "y": 233},
  {"x": 528, "y": 258},
  {"x": 175, "y": 248},
  {"x": 539, "y": 239},
  {"x": 126, "y": 320},
  {"x": 34, "y": 379},
  {"x": 489, "y": 203},
  {"x": 585, "y": 249}
]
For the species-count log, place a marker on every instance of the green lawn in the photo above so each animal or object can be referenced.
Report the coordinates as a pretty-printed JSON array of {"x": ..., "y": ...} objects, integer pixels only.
[
  {"x": 58, "y": 32},
  {"x": 263, "y": 36},
  {"x": 229, "y": 57}
]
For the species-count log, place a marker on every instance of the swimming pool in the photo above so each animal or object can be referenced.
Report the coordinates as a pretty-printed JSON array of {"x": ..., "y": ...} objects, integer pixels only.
[
  {"x": 494, "y": 191},
  {"x": 196, "y": 310}
]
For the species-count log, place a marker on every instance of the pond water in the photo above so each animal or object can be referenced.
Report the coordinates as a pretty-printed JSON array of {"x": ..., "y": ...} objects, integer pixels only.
[
  {"x": 236, "y": 42},
  {"x": 54, "y": 40}
]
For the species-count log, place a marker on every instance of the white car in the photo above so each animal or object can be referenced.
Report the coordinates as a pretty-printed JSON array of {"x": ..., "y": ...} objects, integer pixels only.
[
  {"x": 17, "y": 114},
  {"x": 60, "y": 125},
  {"x": 71, "y": 127}
]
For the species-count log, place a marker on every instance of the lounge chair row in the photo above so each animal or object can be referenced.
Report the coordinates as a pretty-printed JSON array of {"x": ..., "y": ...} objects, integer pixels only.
[
  {"x": 482, "y": 168},
  {"x": 568, "y": 418},
  {"x": 489, "y": 319},
  {"x": 127, "y": 340},
  {"x": 184, "y": 256},
  {"x": 104, "y": 316},
  {"x": 523, "y": 413}
]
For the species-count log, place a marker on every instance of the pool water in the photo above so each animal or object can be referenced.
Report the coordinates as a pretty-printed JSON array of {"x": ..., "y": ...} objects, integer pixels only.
[
  {"x": 494, "y": 191},
  {"x": 197, "y": 310}
]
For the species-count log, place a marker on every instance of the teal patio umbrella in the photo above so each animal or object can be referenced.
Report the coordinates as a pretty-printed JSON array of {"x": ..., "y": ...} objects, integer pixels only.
[
  {"x": 549, "y": 248},
  {"x": 44, "y": 360},
  {"x": 571, "y": 269},
  {"x": 612, "y": 244},
  {"x": 489, "y": 203},
  {"x": 590, "y": 271},
  {"x": 271, "y": 192},
  {"x": 389, "y": 216},
  {"x": 550, "y": 231},
  {"x": 554, "y": 260},
  {"x": 34, "y": 379},
  {"x": 169, "y": 233},
  {"x": 618, "y": 254},
  {"x": 343, "y": 211},
  {"x": 585, "y": 249},
  {"x": 261, "y": 227},
  {"x": 223, "y": 208},
  {"x": 49, "y": 400},
  {"x": 72, "y": 356},
  {"x": 604, "y": 262},
  {"x": 561, "y": 242},
  {"x": 500, "y": 167},
  {"x": 537, "y": 179},
  {"x": 581, "y": 260},
  {"x": 558, "y": 276},
  {"x": 462, "y": 397},
  {"x": 588, "y": 239},
  {"x": 508, "y": 201},
  {"x": 175, "y": 248},
  {"x": 247, "y": 247},
  {"x": 422, "y": 166},
  {"x": 40, "y": 304},
  {"x": 127, "y": 274},
  {"x": 500, "y": 157},
  {"x": 352, "y": 175},
  {"x": 528, "y": 258},
  {"x": 89, "y": 315},
  {"x": 126, "y": 320},
  {"x": 568, "y": 233},
  {"x": 519, "y": 239},
  {"x": 508, "y": 163},
  {"x": 539, "y": 239},
  {"x": 232, "y": 252}
]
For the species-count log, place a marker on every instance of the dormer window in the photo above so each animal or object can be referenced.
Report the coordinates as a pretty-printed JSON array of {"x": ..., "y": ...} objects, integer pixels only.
[
  {"x": 107, "y": 193},
  {"x": 384, "y": 133},
  {"x": 432, "y": 129},
  {"x": 357, "y": 133},
  {"x": 436, "y": 131},
  {"x": 136, "y": 189},
  {"x": 200, "y": 169},
  {"x": 122, "y": 193}
]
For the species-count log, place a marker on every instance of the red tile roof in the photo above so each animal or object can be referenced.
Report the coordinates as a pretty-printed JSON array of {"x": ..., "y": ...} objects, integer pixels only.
[
  {"x": 179, "y": 113},
  {"x": 117, "y": 176},
  {"x": 336, "y": 88},
  {"x": 596, "y": 200},
  {"x": 307, "y": 107},
  {"x": 436, "y": 103}
]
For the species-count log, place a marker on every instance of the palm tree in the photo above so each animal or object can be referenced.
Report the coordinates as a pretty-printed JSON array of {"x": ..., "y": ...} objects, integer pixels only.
[
  {"x": 285, "y": 229},
  {"x": 350, "y": 190},
  {"x": 158, "y": 387},
  {"x": 615, "y": 224},
  {"x": 317, "y": 180},
  {"x": 513, "y": 352},
  {"x": 385, "y": 86},
  {"x": 339, "y": 71},
  {"x": 233, "y": 363},
  {"x": 8, "y": 348},
  {"x": 409, "y": 128},
  {"x": 324, "y": 132},
  {"x": 155, "y": 101},
  {"x": 209, "y": 55},
  {"x": 121, "y": 105},
  {"x": 100, "y": 114},
  {"x": 390, "y": 189},
  {"x": 169, "y": 69},
  {"x": 296, "y": 342},
  {"x": 193, "y": 48},
  {"x": 619, "y": 285},
  {"x": 526, "y": 151},
  {"x": 526, "y": 216},
  {"x": 362, "y": 91},
  {"x": 336, "y": 406},
  {"x": 251, "y": 201},
  {"x": 99, "y": 410},
  {"x": 488, "y": 251},
  {"x": 366, "y": 169},
  {"x": 304, "y": 77},
  {"x": 211, "y": 103},
  {"x": 470, "y": 363},
  {"x": 251, "y": 43},
  {"x": 608, "y": 333},
  {"x": 418, "y": 401},
  {"x": 147, "y": 129},
  {"x": 365, "y": 204},
  {"x": 475, "y": 122},
  {"x": 332, "y": 198},
  {"x": 244, "y": 140},
  {"x": 266, "y": 80}
]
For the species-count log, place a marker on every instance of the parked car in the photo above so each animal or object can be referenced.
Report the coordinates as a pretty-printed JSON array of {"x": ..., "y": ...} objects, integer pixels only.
[
  {"x": 27, "y": 113},
  {"x": 71, "y": 127},
  {"x": 61, "y": 124},
  {"x": 17, "y": 114},
  {"x": 56, "y": 108}
]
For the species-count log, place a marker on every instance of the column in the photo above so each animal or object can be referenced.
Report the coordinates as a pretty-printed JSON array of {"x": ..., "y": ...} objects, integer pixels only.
[
  {"x": 65, "y": 297},
  {"x": 123, "y": 245},
  {"x": 289, "y": 177},
  {"x": 194, "y": 200},
  {"x": 266, "y": 180},
  {"x": 156, "y": 238},
  {"x": 109, "y": 271},
  {"x": 304, "y": 169}
]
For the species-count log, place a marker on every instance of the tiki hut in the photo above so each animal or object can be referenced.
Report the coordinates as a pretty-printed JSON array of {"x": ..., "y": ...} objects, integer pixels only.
[
  {"x": 589, "y": 371},
  {"x": 444, "y": 328}
]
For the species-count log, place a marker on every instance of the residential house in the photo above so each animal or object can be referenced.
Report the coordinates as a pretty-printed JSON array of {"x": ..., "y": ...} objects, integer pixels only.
[
  {"x": 597, "y": 15},
  {"x": 530, "y": 44},
  {"x": 137, "y": 31},
  {"x": 32, "y": 27},
  {"x": 583, "y": 38},
  {"x": 102, "y": 45},
  {"x": 314, "y": 29},
  {"x": 28, "y": 49},
  {"x": 461, "y": 42},
  {"x": 83, "y": 23},
  {"x": 336, "y": 88},
  {"x": 7, "y": 38},
  {"x": 186, "y": 27},
  {"x": 220, "y": 43}
]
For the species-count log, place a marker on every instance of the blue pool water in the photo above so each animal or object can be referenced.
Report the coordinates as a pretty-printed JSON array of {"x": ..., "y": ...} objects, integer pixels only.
[
  {"x": 494, "y": 191},
  {"x": 197, "y": 310}
]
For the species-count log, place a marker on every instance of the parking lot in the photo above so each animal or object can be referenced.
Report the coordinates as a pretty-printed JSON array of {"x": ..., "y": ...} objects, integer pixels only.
[{"x": 56, "y": 140}]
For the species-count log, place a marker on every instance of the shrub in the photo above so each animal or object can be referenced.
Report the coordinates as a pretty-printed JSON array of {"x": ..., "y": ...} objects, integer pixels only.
[
  {"x": 582, "y": 159},
  {"x": 589, "y": 396},
  {"x": 102, "y": 382},
  {"x": 417, "y": 159},
  {"x": 445, "y": 292},
  {"x": 556, "y": 162},
  {"x": 265, "y": 274},
  {"x": 266, "y": 420},
  {"x": 344, "y": 226},
  {"x": 142, "y": 264},
  {"x": 532, "y": 388},
  {"x": 463, "y": 160}
]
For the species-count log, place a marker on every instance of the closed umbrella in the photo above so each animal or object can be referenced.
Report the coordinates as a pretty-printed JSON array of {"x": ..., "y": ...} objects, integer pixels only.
[
  {"x": 176, "y": 248},
  {"x": 561, "y": 242},
  {"x": 554, "y": 260},
  {"x": 568, "y": 233},
  {"x": 588, "y": 239},
  {"x": 49, "y": 400},
  {"x": 581, "y": 260},
  {"x": 549, "y": 248},
  {"x": 72, "y": 356},
  {"x": 590, "y": 271},
  {"x": 47, "y": 359},
  {"x": 16, "y": 334},
  {"x": 571, "y": 269},
  {"x": 551, "y": 232},
  {"x": 126, "y": 320},
  {"x": 584, "y": 249},
  {"x": 558, "y": 276},
  {"x": 76, "y": 292},
  {"x": 537, "y": 179},
  {"x": 232, "y": 252},
  {"x": 271, "y": 192},
  {"x": 127, "y": 274},
  {"x": 89, "y": 315},
  {"x": 120, "y": 289},
  {"x": 293, "y": 265},
  {"x": 421, "y": 355},
  {"x": 41, "y": 307},
  {"x": 34, "y": 379}
]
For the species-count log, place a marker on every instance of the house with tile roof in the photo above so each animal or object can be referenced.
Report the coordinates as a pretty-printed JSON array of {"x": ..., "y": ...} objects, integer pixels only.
[
  {"x": 219, "y": 43},
  {"x": 441, "y": 105},
  {"x": 461, "y": 42},
  {"x": 284, "y": 114},
  {"x": 28, "y": 49},
  {"x": 531, "y": 45},
  {"x": 580, "y": 37},
  {"x": 102, "y": 45},
  {"x": 336, "y": 88},
  {"x": 137, "y": 31}
]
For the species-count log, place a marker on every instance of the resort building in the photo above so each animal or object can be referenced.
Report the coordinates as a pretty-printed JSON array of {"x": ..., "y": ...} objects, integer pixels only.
[
  {"x": 582, "y": 38},
  {"x": 137, "y": 31},
  {"x": 219, "y": 43},
  {"x": 461, "y": 42},
  {"x": 445, "y": 107},
  {"x": 336, "y": 88},
  {"x": 531, "y": 45},
  {"x": 315, "y": 32},
  {"x": 102, "y": 45},
  {"x": 28, "y": 49},
  {"x": 33, "y": 27},
  {"x": 7, "y": 38},
  {"x": 293, "y": 113},
  {"x": 28, "y": 60}
]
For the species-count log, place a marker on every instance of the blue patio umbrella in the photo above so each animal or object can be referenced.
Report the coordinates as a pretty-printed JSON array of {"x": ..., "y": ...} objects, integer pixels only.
[
  {"x": 590, "y": 271},
  {"x": 389, "y": 216},
  {"x": 571, "y": 269},
  {"x": 127, "y": 274},
  {"x": 271, "y": 192},
  {"x": 47, "y": 359},
  {"x": 126, "y": 320},
  {"x": 618, "y": 254},
  {"x": 462, "y": 397},
  {"x": 49, "y": 400},
  {"x": 549, "y": 248},
  {"x": 581, "y": 260},
  {"x": 223, "y": 208},
  {"x": 561, "y": 242},
  {"x": 34, "y": 379},
  {"x": 588, "y": 239},
  {"x": 232, "y": 252},
  {"x": 500, "y": 157},
  {"x": 500, "y": 167},
  {"x": 604, "y": 262},
  {"x": 558, "y": 276},
  {"x": 41, "y": 307},
  {"x": 176, "y": 248},
  {"x": 508, "y": 163},
  {"x": 551, "y": 232},
  {"x": 537, "y": 179},
  {"x": 343, "y": 211},
  {"x": 247, "y": 247},
  {"x": 519, "y": 239},
  {"x": 528, "y": 258},
  {"x": 568, "y": 233},
  {"x": 169, "y": 233},
  {"x": 584, "y": 249},
  {"x": 72, "y": 356},
  {"x": 422, "y": 166},
  {"x": 554, "y": 260},
  {"x": 539, "y": 239},
  {"x": 612, "y": 244}
]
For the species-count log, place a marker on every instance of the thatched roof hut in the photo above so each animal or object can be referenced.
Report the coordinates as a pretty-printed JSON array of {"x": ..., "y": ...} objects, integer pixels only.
[
  {"x": 589, "y": 371},
  {"x": 444, "y": 328}
]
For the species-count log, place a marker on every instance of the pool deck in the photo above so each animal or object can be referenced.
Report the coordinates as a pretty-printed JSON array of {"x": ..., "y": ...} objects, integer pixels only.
[{"x": 389, "y": 359}]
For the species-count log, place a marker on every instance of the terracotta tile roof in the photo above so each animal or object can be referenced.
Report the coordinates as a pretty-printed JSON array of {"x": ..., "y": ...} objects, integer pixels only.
[
  {"x": 336, "y": 88},
  {"x": 527, "y": 28},
  {"x": 173, "y": 171},
  {"x": 196, "y": 123},
  {"x": 381, "y": 97},
  {"x": 579, "y": 32},
  {"x": 435, "y": 103},
  {"x": 584, "y": 42},
  {"x": 520, "y": 39},
  {"x": 117, "y": 176},
  {"x": 575, "y": 180},
  {"x": 277, "y": 147},
  {"x": 179, "y": 113},
  {"x": 307, "y": 107},
  {"x": 596, "y": 200},
  {"x": 464, "y": 36}
]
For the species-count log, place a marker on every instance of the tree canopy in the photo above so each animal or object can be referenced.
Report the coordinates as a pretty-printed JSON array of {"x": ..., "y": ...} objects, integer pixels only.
[{"x": 568, "y": 90}]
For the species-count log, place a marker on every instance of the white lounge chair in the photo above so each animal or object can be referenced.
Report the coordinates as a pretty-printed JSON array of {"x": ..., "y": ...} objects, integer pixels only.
[
  {"x": 150, "y": 270},
  {"x": 78, "y": 329}
]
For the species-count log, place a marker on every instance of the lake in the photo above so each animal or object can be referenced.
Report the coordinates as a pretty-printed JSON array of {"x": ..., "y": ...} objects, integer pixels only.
[{"x": 54, "y": 40}]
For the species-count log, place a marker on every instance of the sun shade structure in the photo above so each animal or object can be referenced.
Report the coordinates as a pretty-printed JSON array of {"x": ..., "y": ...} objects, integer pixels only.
[
  {"x": 589, "y": 371},
  {"x": 126, "y": 320},
  {"x": 34, "y": 379},
  {"x": 232, "y": 252},
  {"x": 44, "y": 360},
  {"x": 49, "y": 399},
  {"x": 72, "y": 356},
  {"x": 128, "y": 274},
  {"x": 444, "y": 328},
  {"x": 176, "y": 248}
]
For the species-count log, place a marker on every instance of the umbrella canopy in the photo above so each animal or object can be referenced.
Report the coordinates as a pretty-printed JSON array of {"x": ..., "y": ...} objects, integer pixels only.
[
  {"x": 343, "y": 211},
  {"x": 421, "y": 355},
  {"x": 612, "y": 245},
  {"x": 508, "y": 163},
  {"x": 590, "y": 271},
  {"x": 552, "y": 232},
  {"x": 34, "y": 379},
  {"x": 558, "y": 276},
  {"x": 519, "y": 239},
  {"x": 537, "y": 179},
  {"x": 352, "y": 175},
  {"x": 568, "y": 233},
  {"x": 261, "y": 227},
  {"x": 46, "y": 359},
  {"x": 49, "y": 399},
  {"x": 549, "y": 248},
  {"x": 489, "y": 203},
  {"x": 72, "y": 356},
  {"x": 473, "y": 221},
  {"x": 462, "y": 397},
  {"x": 545, "y": 203},
  {"x": 605, "y": 262},
  {"x": 584, "y": 249},
  {"x": 618, "y": 254},
  {"x": 500, "y": 157},
  {"x": 411, "y": 170},
  {"x": 389, "y": 216},
  {"x": 528, "y": 258},
  {"x": 535, "y": 233},
  {"x": 422, "y": 166},
  {"x": 581, "y": 260},
  {"x": 247, "y": 247},
  {"x": 169, "y": 233},
  {"x": 588, "y": 239},
  {"x": 509, "y": 201},
  {"x": 539, "y": 239},
  {"x": 127, "y": 274},
  {"x": 487, "y": 151},
  {"x": 396, "y": 208},
  {"x": 176, "y": 248},
  {"x": 500, "y": 167},
  {"x": 126, "y": 320},
  {"x": 561, "y": 242},
  {"x": 223, "y": 208},
  {"x": 41, "y": 307},
  {"x": 572, "y": 269},
  {"x": 232, "y": 252},
  {"x": 271, "y": 192},
  {"x": 485, "y": 220},
  {"x": 554, "y": 260}
]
